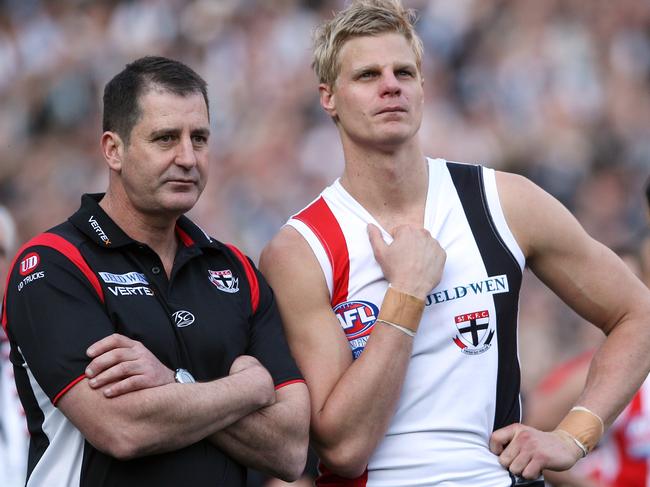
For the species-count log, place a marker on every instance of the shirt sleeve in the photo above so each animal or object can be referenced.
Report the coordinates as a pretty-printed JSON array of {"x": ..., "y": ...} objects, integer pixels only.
[
  {"x": 53, "y": 315},
  {"x": 268, "y": 343}
]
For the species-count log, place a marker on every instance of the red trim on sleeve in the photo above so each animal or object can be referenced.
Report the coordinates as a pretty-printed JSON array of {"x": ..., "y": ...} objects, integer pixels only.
[
  {"x": 67, "y": 388},
  {"x": 250, "y": 275},
  {"x": 289, "y": 382},
  {"x": 185, "y": 238},
  {"x": 320, "y": 219},
  {"x": 61, "y": 245},
  {"x": 329, "y": 479}
]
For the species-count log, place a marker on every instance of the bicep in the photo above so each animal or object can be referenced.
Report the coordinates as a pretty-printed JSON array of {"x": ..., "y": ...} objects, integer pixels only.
[
  {"x": 588, "y": 276},
  {"x": 314, "y": 334}
]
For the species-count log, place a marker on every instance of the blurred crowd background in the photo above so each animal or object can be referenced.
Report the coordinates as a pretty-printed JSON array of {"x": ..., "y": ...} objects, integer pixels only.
[{"x": 556, "y": 90}]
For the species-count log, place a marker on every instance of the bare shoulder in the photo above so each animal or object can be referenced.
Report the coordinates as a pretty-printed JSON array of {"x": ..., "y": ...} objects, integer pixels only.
[
  {"x": 288, "y": 254},
  {"x": 291, "y": 268},
  {"x": 535, "y": 217}
]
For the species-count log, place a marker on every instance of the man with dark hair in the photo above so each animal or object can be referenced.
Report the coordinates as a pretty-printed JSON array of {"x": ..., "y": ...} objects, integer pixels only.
[
  {"x": 399, "y": 289},
  {"x": 146, "y": 352}
]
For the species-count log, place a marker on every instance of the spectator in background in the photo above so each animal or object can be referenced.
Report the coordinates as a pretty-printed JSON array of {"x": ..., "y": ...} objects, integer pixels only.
[{"x": 13, "y": 429}]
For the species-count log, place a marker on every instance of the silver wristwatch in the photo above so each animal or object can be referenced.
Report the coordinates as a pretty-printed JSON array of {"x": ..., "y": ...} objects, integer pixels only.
[{"x": 182, "y": 376}]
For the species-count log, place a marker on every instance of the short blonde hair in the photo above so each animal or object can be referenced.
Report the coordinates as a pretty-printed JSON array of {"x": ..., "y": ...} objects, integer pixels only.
[{"x": 361, "y": 18}]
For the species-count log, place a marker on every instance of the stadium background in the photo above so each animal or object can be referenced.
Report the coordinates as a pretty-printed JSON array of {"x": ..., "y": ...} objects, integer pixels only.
[{"x": 556, "y": 90}]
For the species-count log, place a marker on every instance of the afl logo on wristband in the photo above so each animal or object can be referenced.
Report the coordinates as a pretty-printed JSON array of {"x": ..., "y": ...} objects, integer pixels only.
[
  {"x": 357, "y": 319},
  {"x": 29, "y": 263}
]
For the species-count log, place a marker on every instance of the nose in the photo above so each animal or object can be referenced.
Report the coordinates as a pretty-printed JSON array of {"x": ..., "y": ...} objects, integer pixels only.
[
  {"x": 185, "y": 155},
  {"x": 390, "y": 85}
]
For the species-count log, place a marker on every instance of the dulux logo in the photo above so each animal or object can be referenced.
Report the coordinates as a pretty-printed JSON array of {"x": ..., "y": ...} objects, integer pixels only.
[{"x": 183, "y": 318}]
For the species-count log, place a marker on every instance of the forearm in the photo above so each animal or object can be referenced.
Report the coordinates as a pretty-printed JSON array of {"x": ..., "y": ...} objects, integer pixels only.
[
  {"x": 273, "y": 439},
  {"x": 162, "y": 418},
  {"x": 357, "y": 412},
  {"x": 618, "y": 369}
]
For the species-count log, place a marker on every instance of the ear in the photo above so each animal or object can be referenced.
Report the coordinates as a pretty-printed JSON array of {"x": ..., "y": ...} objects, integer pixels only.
[
  {"x": 327, "y": 99},
  {"x": 112, "y": 150}
]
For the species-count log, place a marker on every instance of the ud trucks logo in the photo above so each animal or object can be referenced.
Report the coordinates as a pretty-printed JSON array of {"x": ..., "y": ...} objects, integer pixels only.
[
  {"x": 224, "y": 280},
  {"x": 357, "y": 319},
  {"x": 29, "y": 263},
  {"x": 474, "y": 334}
]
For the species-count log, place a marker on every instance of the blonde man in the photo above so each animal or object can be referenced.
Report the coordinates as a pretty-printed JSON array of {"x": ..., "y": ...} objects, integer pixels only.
[{"x": 398, "y": 287}]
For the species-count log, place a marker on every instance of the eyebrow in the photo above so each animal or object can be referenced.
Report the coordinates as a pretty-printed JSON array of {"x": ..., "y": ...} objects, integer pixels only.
[
  {"x": 377, "y": 67},
  {"x": 175, "y": 131}
]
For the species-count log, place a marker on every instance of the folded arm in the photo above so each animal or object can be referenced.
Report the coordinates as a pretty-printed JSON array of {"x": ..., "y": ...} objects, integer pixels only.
[
  {"x": 167, "y": 417},
  {"x": 272, "y": 439}
]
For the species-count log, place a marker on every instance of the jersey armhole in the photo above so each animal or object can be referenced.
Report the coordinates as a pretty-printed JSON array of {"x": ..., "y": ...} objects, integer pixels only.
[
  {"x": 318, "y": 250},
  {"x": 496, "y": 210}
]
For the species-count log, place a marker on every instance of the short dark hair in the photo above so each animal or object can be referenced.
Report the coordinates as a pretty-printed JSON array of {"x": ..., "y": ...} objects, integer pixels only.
[{"x": 122, "y": 93}]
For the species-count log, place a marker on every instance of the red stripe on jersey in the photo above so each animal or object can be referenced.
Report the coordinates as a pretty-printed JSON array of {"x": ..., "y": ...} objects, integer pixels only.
[
  {"x": 632, "y": 472},
  {"x": 328, "y": 479},
  {"x": 320, "y": 219},
  {"x": 250, "y": 274},
  {"x": 61, "y": 245},
  {"x": 185, "y": 238},
  {"x": 67, "y": 388},
  {"x": 288, "y": 383}
]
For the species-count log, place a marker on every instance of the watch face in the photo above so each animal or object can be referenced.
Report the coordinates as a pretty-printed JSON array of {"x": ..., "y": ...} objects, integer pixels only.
[{"x": 182, "y": 376}]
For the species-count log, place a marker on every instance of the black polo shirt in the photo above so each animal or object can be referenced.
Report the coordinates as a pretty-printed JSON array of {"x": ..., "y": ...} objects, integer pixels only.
[{"x": 86, "y": 279}]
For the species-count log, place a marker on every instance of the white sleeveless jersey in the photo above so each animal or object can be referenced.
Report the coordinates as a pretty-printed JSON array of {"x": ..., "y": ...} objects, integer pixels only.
[{"x": 463, "y": 379}]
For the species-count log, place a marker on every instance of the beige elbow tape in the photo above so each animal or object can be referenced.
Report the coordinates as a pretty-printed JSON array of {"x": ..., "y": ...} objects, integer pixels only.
[
  {"x": 584, "y": 426},
  {"x": 401, "y": 309}
]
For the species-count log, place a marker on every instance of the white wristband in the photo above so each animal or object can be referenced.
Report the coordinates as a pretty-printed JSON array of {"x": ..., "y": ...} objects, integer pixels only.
[{"x": 403, "y": 329}]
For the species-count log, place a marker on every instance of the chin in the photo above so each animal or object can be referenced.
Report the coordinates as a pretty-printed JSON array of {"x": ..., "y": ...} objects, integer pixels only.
[{"x": 180, "y": 203}]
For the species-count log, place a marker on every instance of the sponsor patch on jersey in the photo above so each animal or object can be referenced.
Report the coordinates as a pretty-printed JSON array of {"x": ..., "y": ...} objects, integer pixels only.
[
  {"x": 29, "y": 263},
  {"x": 34, "y": 276},
  {"x": 491, "y": 285},
  {"x": 224, "y": 280},
  {"x": 357, "y": 319},
  {"x": 474, "y": 333},
  {"x": 131, "y": 291},
  {"x": 128, "y": 279},
  {"x": 183, "y": 318},
  {"x": 99, "y": 231}
]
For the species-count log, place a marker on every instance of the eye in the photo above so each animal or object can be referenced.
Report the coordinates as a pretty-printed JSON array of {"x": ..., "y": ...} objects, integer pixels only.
[
  {"x": 165, "y": 139},
  {"x": 367, "y": 75},
  {"x": 405, "y": 73},
  {"x": 199, "y": 140}
]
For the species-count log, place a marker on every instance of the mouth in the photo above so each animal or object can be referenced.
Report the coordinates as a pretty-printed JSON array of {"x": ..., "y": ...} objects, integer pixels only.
[
  {"x": 182, "y": 181},
  {"x": 392, "y": 109}
]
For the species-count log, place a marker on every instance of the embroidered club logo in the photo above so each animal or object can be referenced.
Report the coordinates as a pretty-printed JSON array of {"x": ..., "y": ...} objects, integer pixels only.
[
  {"x": 183, "y": 318},
  {"x": 474, "y": 333},
  {"x": 29, "y": 263},
  {"x": 357, "y": 319},
  {"x": 224, "y": 281}
]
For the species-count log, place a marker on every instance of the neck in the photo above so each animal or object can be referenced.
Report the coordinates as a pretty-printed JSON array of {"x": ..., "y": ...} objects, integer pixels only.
[
  {"x": 158, "y": 232},
  {"x": 388, "y": 183}
]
